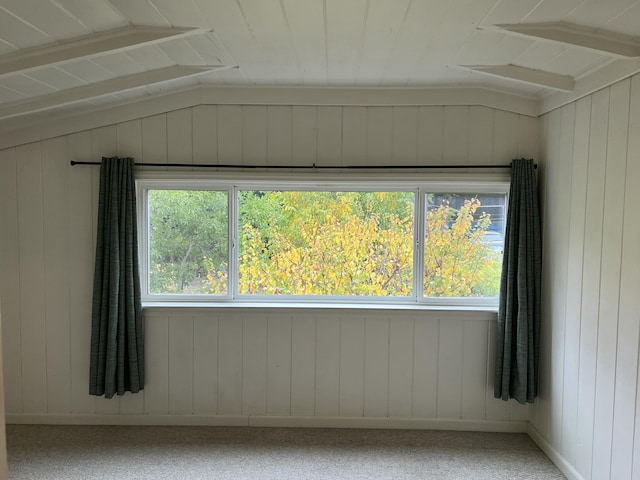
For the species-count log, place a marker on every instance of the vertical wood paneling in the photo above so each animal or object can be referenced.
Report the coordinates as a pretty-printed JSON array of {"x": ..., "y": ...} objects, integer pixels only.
[
  {"x": 354, "y": 135},
  {"x": 405, "y": 135},
  {"x": 56, "y": 270},
  {"x": 631, "y": 279},
  {"x": 104, "y": 143},
  {"x": 590, "y": 415},
  {"x": 181, "y": 364},
  {"x": 400, "y": 366},
  {"x": 303, "y": 361},
  {"x": 559, "y": 194},
  {"x": 481, "y": 124},
  {"x": 574, "y": 273},
  {"x": 520, "y": 413},
  {"x": 610, "y": 277},
  {"x": 254, "y": 134},
  {"x": 527, "y": 137},
  {"x": 254, "y": 365},
  {"x": 32, "y": 278},
  {"x": 426, "y": 351},
  {"x": 305, "y": 135},
  {"x": 129, "y": 136},
  {"x": 279, "y": 135},
  {"x": 430, "y": 134},
  {"x": 329, "y": 143},
  {"x": 156, "y": 390},
  {"x": 456, "y": 135},
  {"x": 552, "y": 135},
  {"x": 376, "y": 367},
  {"x": 154, "y": 139},
  {"x": 205, "y": 364},
  {"x": 549, "y": 259},
  {"x": 229, "y": 133},
  {"x": 328, "y": 366},
  {"x": 205, "y": 134},
  {"x": 80, "y": 272},
  {"x": 230, "y": 348},
  {"x": 623, "y": 446},
  {"x": 279, "y": 365},
  {"x": 474, "y": 370},
  {"x": 179, "y": 136},
  {"x": 505, "y": 137},
  {"x": 591, "y": 279},
  {"x": 10, "y": 281},
  {"x": 379, "y": 135},
  {"x": 450, "y": 369},
  {"x": 352, "y": 351},
  {"x": 4, "y": 469}
]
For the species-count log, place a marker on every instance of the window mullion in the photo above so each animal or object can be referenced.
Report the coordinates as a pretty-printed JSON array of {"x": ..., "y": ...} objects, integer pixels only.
[
  {"x": 418, "y": 257},
  {"x": 233, "y": 244}
]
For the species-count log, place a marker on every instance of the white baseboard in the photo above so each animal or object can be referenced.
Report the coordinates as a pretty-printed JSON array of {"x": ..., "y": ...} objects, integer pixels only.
[
  {"x": 127, "y": 419},
  {"x": 565, "y": 467},
  {"x": 388, "y": 423},
  {"x": 268, "y": 421}
]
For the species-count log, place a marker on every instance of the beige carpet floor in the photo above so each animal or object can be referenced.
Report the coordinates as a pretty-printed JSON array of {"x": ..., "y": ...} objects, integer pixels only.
[{"x": 123, "y": 453}]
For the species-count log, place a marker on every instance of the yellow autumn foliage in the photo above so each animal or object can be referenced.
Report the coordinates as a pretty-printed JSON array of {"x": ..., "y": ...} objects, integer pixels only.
[{"x": 361, "y": 244}]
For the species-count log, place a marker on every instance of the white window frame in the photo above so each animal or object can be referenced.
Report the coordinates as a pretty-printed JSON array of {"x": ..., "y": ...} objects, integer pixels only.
[{"x": 420, "y": 184}]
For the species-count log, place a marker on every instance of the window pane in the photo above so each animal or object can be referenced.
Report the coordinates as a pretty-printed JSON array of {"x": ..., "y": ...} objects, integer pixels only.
[
  {"x": 188, "y": 241},
  {"x": 326, "y": 243},
  {"x": 464, "y": 238}
]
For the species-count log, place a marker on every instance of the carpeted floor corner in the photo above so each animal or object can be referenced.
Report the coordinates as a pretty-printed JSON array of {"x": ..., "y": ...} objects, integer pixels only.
[{"x": 114, "y": 452}]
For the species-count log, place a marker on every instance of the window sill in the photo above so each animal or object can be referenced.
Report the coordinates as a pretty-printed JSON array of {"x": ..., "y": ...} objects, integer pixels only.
[{"x": 440, "y": 311}]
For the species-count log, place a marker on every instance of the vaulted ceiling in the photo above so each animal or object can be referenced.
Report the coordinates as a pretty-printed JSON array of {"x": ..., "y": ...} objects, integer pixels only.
[{"x": 62, "y": 56}]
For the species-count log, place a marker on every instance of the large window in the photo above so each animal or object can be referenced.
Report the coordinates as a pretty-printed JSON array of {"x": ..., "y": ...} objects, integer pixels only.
[{"x": 335, "y": 241}]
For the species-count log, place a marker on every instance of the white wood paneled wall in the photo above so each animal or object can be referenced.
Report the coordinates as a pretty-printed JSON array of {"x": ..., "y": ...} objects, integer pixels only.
[
  {"x": 231, "y": 362},
  {"x": 590, "y": 176}
]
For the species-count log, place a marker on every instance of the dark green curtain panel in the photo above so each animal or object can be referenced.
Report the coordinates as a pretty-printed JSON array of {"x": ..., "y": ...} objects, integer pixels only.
[
  {"x": 117, "y": 343},
  {"x": 518, "y": 333}
]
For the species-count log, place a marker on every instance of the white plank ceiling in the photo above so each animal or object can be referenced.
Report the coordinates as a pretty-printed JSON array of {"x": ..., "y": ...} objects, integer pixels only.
[{"x": 319, "y": 43}]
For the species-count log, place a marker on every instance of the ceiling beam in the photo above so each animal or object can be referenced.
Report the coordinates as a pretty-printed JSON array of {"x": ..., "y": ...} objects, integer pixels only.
[
  {"x": 102, "y": 43},
  {"x": 107, "y": 87},
  {"x": 527, "y": 75},
  {"x": 601, "y": 41}
]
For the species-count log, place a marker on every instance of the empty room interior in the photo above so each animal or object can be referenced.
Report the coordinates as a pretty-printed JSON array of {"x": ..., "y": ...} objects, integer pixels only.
[{"x": 325, "y": 233}]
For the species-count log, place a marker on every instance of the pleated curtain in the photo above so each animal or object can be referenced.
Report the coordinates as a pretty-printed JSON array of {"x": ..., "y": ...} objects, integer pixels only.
[
  {"x": 518, "y": 332},
  {"x": 117, "y": 342}
]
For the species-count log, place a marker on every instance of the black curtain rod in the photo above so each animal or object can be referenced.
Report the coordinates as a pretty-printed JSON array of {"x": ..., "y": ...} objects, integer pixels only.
[{"x": 305, "y": 167}]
